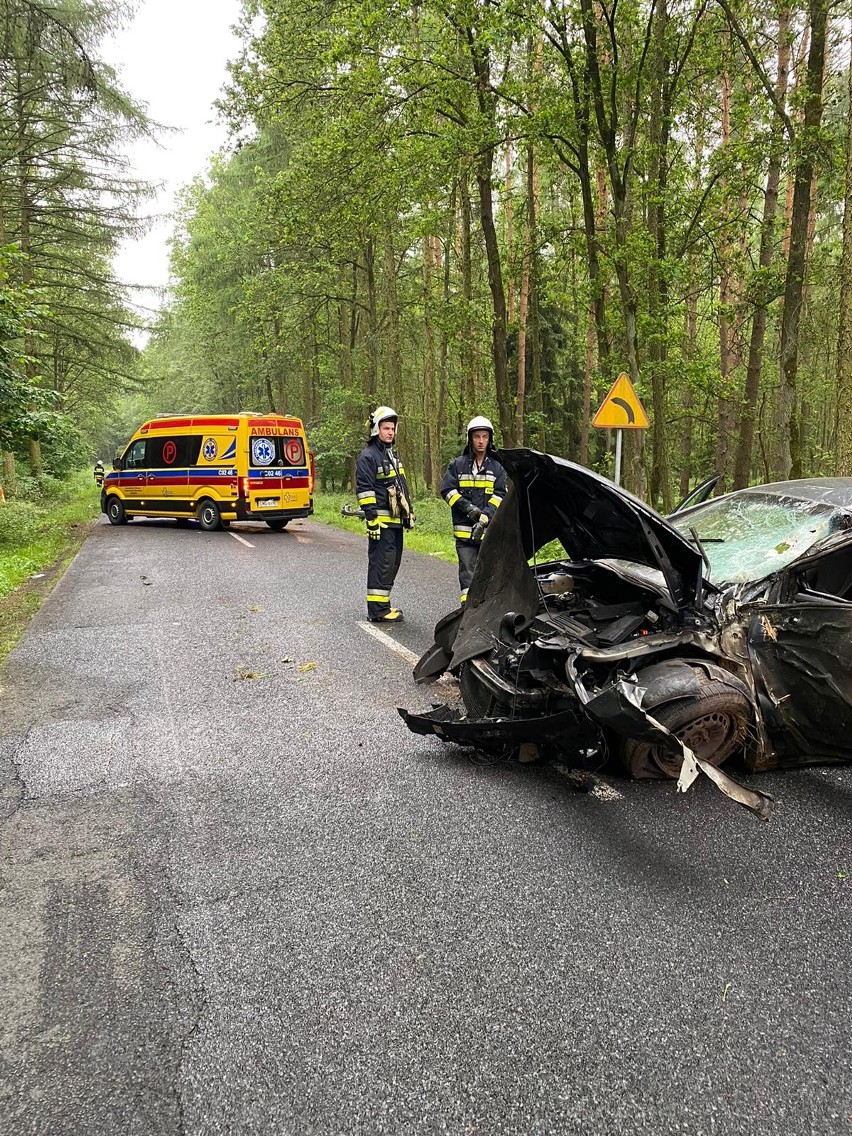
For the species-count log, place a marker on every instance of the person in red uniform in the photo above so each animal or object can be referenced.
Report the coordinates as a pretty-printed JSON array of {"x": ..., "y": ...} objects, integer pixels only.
[
  {"x": 384, "y": 498},
  {"x": 473, "y": 487}
]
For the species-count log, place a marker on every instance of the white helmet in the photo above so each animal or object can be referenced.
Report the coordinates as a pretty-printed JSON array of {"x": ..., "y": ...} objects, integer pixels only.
[
  {"x": 480, "y": 422},
  {"x": 381, "y": 414}
]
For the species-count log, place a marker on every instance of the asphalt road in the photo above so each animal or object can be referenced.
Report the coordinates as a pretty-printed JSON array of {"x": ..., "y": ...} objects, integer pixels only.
[{"x": 239, "y": 897}]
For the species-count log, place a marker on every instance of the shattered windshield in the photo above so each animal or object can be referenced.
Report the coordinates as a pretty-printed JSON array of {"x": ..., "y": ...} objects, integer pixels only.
[{"x": 749, "y": 536}]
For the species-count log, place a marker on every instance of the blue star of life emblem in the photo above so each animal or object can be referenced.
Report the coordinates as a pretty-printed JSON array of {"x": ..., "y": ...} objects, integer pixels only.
[
  {"x": 263, "y": 451},
  {"x": 210, "y": 449}
]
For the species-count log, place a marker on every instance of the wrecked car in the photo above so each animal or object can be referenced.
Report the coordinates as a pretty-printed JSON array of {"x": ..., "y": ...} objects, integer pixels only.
[{"x": 660, "y": 645}]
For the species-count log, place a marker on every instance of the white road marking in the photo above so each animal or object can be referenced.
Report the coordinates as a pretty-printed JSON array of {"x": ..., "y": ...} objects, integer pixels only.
[
  {"x": 389, "y": 642},
  {"x": 398, "y": 649},
  {"x": 241, "y": 539}
]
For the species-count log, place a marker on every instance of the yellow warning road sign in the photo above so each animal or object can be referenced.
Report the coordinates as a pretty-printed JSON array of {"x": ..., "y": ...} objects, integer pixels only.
[{"x": 621, "y": 409}]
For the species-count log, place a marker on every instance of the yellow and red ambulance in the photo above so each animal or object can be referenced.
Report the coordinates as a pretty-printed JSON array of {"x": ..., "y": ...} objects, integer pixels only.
[{"x": 216, "y": 468}]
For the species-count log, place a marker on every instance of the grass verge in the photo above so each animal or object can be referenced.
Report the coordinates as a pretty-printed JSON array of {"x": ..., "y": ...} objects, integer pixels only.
[
  {"x": 37, "y": 541},
  {"x": 431, "y": 534}
]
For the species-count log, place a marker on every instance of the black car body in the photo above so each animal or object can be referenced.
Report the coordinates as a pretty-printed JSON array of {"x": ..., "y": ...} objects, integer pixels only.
[{"x": 725, "y": 628}]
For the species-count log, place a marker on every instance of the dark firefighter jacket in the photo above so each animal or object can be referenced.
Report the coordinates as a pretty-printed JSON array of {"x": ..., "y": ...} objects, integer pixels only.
[
  {"x": 379, "y": 477},
  {"x": 469, "y": 491}
]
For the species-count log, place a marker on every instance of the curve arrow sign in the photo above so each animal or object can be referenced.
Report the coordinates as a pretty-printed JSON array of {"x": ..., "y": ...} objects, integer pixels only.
[{"x": 626, "y": 407}]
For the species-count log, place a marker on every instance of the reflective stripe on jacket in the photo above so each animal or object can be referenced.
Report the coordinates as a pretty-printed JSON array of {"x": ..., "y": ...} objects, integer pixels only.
[
  {"x": 464, "y": 485},
  {"x": 378, "y": 467}
]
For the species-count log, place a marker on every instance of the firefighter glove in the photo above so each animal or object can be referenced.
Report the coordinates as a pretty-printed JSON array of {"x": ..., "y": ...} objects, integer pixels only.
[
  {"x": 374, "y": 530},
  {"x": 478, "y": 530}
]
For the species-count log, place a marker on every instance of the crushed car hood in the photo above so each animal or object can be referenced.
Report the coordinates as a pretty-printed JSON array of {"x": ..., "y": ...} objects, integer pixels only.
[
  {"x": 552, "y": 499},
  {"x": 595, "y": 519}
]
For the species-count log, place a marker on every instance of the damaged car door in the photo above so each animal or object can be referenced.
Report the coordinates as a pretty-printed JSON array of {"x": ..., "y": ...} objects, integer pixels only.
[{"x": 801, "y": 656}]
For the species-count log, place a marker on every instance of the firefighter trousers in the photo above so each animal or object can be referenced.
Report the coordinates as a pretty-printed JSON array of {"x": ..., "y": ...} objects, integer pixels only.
[
  {"x": 383, "y": 560},
  {"x": 468, "y": 554}
]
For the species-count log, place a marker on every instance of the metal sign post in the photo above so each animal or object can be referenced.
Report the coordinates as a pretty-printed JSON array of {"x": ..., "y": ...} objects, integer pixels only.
[{"x": 621, "y": 410}]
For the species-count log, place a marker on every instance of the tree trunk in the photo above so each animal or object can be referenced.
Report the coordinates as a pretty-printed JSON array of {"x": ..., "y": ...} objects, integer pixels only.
[
  {"x": 660, "y": 487},
  {"x": 343, "y": 333},
  {"x": 524, "y": 294},
  {"x": 480, "y": 60},
  {"x": 430, "y": 424},
  {"x": 372, "y": 317},
  {"x": 843, "y": 420},
  {"x": 469, "y": 385},
  {"x": 392, "y": 353},
  {"x": 498, "y": 299},
  {"x": 787, "y": 454},
  {"x": 742, "y": 466},
  {"x": 509, "y": 213},
  {"x": 723, "y": 409},
  {"x": 437, "y": 461}
]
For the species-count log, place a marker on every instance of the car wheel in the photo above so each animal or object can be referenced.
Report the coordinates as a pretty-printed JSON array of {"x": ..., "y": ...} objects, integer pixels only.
[
  {"x": 208, "y": 516},
  {"x": 714, "y": 723},
  {"x": 278, "y": 525},
  {"x": 115, "y": 511}
]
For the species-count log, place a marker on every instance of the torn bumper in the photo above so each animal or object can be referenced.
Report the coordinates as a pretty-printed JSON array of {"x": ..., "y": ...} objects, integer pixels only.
[{"x": 451, "y": 725}]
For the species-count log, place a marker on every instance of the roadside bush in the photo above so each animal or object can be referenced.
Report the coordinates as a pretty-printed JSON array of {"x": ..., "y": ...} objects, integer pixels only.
[
  {"x": 19, "y": 524},
  {"x": 29, "y": 488},
  {"x": 50, "y": 524}
]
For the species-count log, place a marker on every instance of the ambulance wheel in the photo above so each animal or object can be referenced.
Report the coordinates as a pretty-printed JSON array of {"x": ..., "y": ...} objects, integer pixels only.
[
  {"x": 208, "y": 516},
  {"x": 115, "y": 511},
  {"x": 278, "y": 525}
]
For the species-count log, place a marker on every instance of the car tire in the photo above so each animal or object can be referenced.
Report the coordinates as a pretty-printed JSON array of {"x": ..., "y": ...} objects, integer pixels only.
[
  {"x": 278, "y": 525},
  {"x": 115, "y": 511},
  {"x": 714, "y": 723},
  {"x": 208, "y": 516}
]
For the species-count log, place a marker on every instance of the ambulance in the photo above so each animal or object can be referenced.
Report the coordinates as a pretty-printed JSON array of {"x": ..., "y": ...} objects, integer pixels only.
[{"x": 213, "y": 468}]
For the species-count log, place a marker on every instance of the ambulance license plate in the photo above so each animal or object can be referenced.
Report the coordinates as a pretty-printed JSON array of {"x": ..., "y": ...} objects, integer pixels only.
[{"x": 266, "y": 502}]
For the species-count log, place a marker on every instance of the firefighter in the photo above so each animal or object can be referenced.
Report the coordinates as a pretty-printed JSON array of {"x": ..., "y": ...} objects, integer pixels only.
[
  {"x": 99, "y": 473},
  {"x": 473, "y": 487},
  {"x": 384, "y": 498}
]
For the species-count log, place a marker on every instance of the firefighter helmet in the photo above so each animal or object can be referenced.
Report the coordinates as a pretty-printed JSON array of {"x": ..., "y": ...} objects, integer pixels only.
[
  {"x": 480, "y": 422},
  {"x": 381, "y": 414}
]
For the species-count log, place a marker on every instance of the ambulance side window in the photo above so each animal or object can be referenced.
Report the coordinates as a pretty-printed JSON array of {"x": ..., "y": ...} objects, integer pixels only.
[
  {"x": 170, "y": 452},
  {"x": 135, "y": 457},
  {"x": 193, "y": 448}
]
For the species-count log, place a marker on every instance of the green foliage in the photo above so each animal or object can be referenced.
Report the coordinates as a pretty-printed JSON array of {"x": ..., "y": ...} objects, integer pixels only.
[
  {"x": 337, "y": 258},
  {"x": 66, "y": 202},
  {"x": 41, "y": 523},
  {"x": 20, "y": 314}
]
